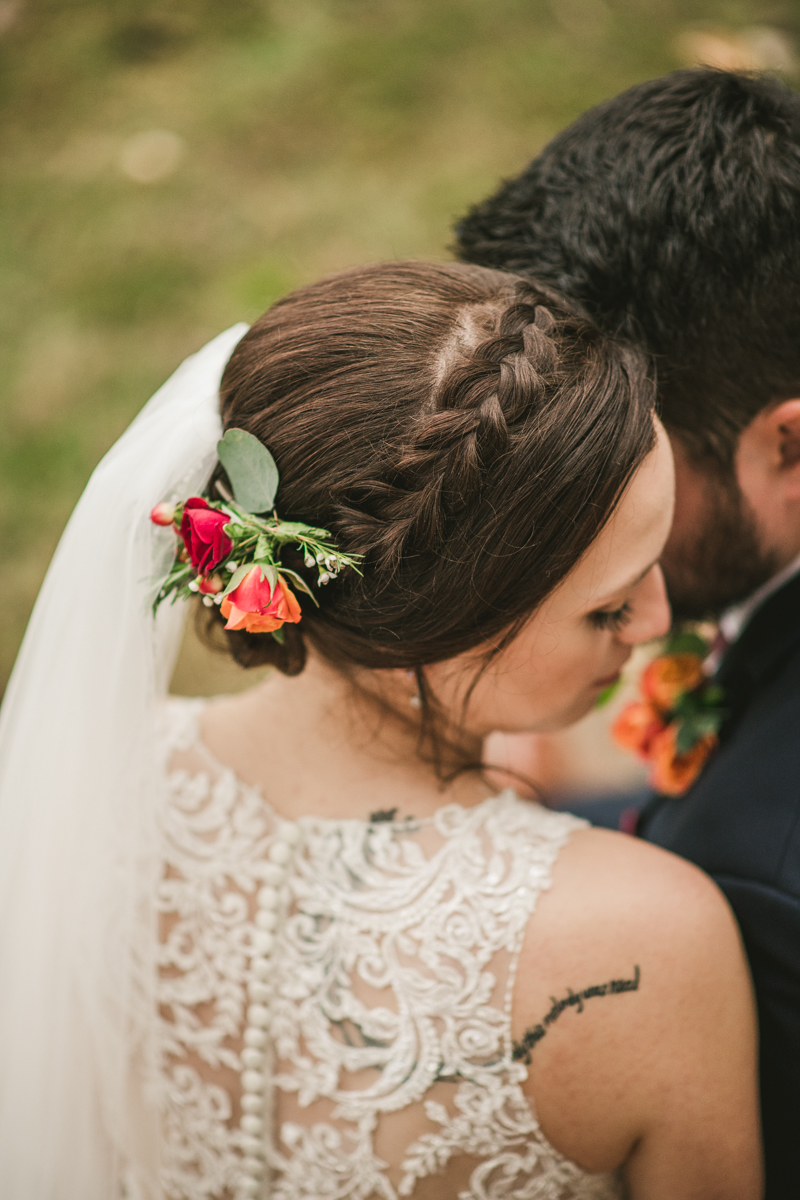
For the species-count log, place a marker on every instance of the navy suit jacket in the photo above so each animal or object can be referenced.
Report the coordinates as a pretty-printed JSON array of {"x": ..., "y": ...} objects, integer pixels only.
[{"x": 740, "y": 822}]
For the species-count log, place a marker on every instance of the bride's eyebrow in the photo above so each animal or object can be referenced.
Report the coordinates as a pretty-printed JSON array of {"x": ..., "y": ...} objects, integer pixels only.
[{"x": 626, "y": 587}]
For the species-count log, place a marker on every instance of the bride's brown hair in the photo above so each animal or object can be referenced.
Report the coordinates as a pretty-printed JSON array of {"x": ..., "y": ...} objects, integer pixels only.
[{"x": 466, "y": 432}]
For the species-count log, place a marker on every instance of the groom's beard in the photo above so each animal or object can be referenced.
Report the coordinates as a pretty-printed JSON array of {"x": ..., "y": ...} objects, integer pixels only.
[{"x": 719, "y": 561}]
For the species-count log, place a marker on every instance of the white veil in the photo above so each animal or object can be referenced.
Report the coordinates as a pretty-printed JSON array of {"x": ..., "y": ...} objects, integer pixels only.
[{"x": 78, "y": 794}]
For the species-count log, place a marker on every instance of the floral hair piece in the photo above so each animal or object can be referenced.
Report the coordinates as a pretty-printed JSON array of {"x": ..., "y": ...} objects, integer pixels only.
[
  {"x": 229, "y": 549},
  {"x": 674, "y": 726}
]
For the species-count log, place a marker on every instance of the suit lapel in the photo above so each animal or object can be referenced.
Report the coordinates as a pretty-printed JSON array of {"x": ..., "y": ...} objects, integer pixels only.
[{"x": 758, "y": 654}]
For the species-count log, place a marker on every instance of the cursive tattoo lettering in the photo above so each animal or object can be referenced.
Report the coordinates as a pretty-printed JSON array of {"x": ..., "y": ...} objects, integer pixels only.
[{"x": 614, "y": 987}]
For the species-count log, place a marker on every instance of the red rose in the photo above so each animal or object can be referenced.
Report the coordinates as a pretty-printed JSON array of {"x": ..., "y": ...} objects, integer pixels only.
[
  {"x": 254, "y": 606},
  {"x": 201, "y": 530}
]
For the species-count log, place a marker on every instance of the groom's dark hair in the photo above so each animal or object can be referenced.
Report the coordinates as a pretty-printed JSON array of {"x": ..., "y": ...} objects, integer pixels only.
[{"x": 672, "y": 214}]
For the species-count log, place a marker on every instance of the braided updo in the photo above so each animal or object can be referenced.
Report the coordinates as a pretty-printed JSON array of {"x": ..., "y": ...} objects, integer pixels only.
[{"x": 468, "y": 433}]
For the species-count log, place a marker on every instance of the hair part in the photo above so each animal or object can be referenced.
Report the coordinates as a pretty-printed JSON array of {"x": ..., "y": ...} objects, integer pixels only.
[{"x": 672, "y": 213}]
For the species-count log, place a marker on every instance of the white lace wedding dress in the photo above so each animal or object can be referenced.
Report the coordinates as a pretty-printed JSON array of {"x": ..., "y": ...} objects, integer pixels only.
[{"x": 392, "y": 1069}]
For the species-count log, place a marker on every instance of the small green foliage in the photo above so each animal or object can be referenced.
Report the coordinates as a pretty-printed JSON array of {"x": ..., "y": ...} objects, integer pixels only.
[
  {"x": 699, "y": 712},
  {"x": 686, "y": 641},
  {"x": 608, "y": 694},
  {"x": 697, "y": 726}
]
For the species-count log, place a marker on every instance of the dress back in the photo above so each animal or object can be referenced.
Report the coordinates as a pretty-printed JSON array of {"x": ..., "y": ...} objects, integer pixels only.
[{"x": 389, "y": 1069}]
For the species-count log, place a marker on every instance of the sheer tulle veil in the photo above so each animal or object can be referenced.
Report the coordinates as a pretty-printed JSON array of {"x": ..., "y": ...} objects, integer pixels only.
[{"x": 79, "y": 782}]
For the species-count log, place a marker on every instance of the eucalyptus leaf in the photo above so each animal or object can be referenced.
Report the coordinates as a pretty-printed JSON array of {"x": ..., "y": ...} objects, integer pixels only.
[{"x": 251, "y": 469}]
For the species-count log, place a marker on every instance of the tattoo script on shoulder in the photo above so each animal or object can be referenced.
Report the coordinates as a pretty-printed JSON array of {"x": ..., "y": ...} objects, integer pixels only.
[{"x": 614, "y": 987}]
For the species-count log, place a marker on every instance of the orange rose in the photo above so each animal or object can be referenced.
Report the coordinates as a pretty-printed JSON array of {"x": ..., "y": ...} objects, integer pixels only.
[
  {"x": 668, "y": 677},
  {"x": 674, "y": 773},
  {"x": 636, "y": 726},
  {"x": 257, "y": 608}
]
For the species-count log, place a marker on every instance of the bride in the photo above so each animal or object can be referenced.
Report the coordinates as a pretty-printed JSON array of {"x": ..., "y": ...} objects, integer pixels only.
[{"x": 289, "y": 943}]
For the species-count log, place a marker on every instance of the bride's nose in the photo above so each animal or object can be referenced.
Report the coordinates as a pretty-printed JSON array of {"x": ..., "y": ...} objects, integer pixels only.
[{"x": 651, "y": 617}]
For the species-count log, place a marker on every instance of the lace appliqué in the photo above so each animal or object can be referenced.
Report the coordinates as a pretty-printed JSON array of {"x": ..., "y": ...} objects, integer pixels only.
[
  {"x": 216, "y": 833},
  {"x": 391, "y": 1024}
]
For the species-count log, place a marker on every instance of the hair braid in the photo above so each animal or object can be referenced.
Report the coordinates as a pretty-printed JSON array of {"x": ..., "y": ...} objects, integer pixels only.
[{"x": 486, "y": 385}]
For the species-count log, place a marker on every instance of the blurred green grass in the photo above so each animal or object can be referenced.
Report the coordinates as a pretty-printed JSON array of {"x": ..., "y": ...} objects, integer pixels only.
[{"x": 307, "y": 136}]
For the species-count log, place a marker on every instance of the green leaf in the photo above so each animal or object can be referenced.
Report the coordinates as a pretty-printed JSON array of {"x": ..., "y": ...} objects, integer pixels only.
[
  {"x": 269, "y": 572},
  {"x": 263, "y": 549},
  {"x": 293, "y": 528},
  {"x": 237, "y": 577},
  {"x": 251, "y": 469},
  {"x": 684, "y": 641},
  {"x": 708, "y": 723},
  {"x": 686, "y": 738},
  {"x": 687, "y": 705},
  {"x": 691, "y": 731},
  {"x": 299, "y": 583},
  {"x": 608, "y": 694},
  {"x": 292, "y": 531},
  {"x": 279, "y": 635}
]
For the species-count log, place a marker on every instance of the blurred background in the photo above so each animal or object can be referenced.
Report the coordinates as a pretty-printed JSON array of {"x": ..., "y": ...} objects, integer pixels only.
[{"x": 171, "y": 167}]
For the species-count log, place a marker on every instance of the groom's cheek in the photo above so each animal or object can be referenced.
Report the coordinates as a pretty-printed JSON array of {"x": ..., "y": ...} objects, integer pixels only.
[{"x": 691, "y": 511}]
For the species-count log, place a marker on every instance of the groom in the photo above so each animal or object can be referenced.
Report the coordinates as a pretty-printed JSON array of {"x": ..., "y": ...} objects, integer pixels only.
[{"x": 672, "y": 214}]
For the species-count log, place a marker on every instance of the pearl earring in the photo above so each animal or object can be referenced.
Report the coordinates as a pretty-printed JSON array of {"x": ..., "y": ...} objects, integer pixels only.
[{"x": 415, "y": 700}]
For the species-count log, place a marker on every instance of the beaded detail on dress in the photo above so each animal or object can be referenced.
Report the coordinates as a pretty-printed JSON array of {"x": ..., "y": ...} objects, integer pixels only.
[{"x": 390, "y": 1032}]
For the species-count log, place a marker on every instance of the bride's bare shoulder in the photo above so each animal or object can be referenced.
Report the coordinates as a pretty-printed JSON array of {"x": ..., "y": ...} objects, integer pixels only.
[
  {"x": 618, "y": 902},
  {"x": 600, "y": 875},
  {"x": 633, "y": 1010}
]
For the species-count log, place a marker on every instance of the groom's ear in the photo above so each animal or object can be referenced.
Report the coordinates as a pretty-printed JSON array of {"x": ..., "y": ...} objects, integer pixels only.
[
  {"x": 768, "y": 454},
  {"x": 788, "y": 415}
]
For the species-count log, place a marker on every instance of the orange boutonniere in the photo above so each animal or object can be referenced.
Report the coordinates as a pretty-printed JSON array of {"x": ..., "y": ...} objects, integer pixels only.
[{"x": 674, "y": 725}]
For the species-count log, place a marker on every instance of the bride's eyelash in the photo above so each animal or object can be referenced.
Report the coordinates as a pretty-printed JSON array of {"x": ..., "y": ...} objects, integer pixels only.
[{"x": 615, "y": 620}]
